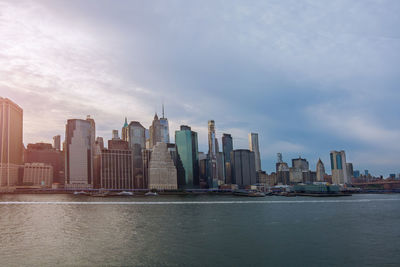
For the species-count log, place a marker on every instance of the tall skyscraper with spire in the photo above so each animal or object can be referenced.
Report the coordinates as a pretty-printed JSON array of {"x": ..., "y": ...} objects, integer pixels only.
[
  {"x": 254, "y": 146},
  {"x": 164, "y": 127}
]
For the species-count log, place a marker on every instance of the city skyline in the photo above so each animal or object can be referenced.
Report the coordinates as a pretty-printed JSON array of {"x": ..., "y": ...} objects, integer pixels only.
[{"x": 339, "y": 93}]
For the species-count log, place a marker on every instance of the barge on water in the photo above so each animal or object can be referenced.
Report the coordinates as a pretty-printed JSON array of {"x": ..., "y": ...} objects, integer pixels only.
[{"x": 319, "y": 190}]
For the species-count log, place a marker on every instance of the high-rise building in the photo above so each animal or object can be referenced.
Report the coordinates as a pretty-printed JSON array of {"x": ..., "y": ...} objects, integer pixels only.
[
  {"x": 117, "y": 169},
  {"x": 338, "y": 166},
  {"x": 11, "y": 144},
  {"x": 115, "y": 135},
  {"x": 282, "y": 171},
  {"x": 254, "y": 146},
  {"x": 227, "y": 147},
  {"x": 134, "y": 133},
  {"x": 46, "y": 154},
  {"x": 162, "y": 170},
  {"x": 320, "y": 171},
  {"x": 212, "y": 155},
  {"x": 243, "y": 167},
  {"x": 349, "y": 170},
  {"x": 79, "y": 153},
  {"x": 187, "y": 148},
  {"x": 299, "y": 172},
  {"x": 57, "y": 142},
  {"x": 164, "y": 128},
  {"x": 155, "y": 131}
]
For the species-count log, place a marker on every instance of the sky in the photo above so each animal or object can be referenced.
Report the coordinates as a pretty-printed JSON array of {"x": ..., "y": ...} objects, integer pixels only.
[{"x": 308, "y": 76}]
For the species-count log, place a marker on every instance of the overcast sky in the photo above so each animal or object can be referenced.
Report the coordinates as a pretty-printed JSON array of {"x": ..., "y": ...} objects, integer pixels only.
[{"x": 308, "y": 76}]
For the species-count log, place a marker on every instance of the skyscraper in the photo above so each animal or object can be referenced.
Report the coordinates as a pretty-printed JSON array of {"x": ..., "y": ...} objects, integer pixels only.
[
  {"x": 134, "y": 133},
  {"x": 162, "y": 170},
  {"x": 254, "y": 146},
  {"x": 320, "y": 171},
  {"x": 164, "y": 128},
  {"x": 57, "y": 142},
  {"x": 155, "y": 131},
  {"x": 212, "y": 155},
  {"x": 338, "y": 166},
  {"x": 243, "y": 167},
  {"x": 227, "y": 147},
  {"x": 79, "y": 153},
  {"x": 187, "y": 148},
  {"x": 11, "y": 144}
]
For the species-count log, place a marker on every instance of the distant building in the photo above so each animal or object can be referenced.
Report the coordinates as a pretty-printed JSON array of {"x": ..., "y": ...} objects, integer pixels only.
[
  {"x": 57, "y": 142},
  {"x": 162, "y": 171},
  {"x": 134, "y": 134},
  {"x": 338, "y": 166},
  {"x": 356, "y": 174},
  {"x": 300, "y": 172},
  {"x": 79, "y": 139},
  {"x": 282, "y": 171},
  {"x": 117, "y": 169},
  {"x": 115, "y": 135},
  {"x": 164, "y": 128},
  {"x": 38, "y": 174},
  {"x": 254, "y": 146},
  {"x": 243, "y": 167},
  {"x": 155, "y": 131},
  {"x": 349, "y": 170},
  {"x": 320, "y": 171},
  {"x": 227, "y": 147},
  {"x": 187, "y": 148},
  {"x": 46, "y": 154},
  {"x": 11, "y": 144},
  {"x": 118, "y": 144},
  {"x": 212, "y": 155}
]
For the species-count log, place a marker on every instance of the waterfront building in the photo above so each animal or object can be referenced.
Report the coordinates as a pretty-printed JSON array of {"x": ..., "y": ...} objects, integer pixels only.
[
  {"x": 282, "y": 171},
  {"x": 117, "y": 169},
  {"x": 300, "y": 172},
  {"x": 338, "y": 166},
  {"x": 187, "y": 149},
  {"x": 162, "y": 170},
  {"x": 11, "y": 144},
  {"x": 79, "y": 153},
  {"x": 134, "y": 134},
  {"x": 320, "y": 171},
  {"x": 57, "y": 142},
  {"x": 254, "y": 146},
  {"x": 46, "y": 154},
  {"x": 243, "y": 167},
  {"x": 38, "y": 174}
]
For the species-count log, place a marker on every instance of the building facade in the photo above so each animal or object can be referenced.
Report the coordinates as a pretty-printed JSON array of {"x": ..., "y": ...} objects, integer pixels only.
[
  {"x": 254, "y": 146},
  {"x": 46, "y": 154},
  {"x": 162, "y": 170},
  {"x": 227, "y": 147},
  {"x": 38, "y": 174},
  {"x": 79, "y": 152},
  {"x": 187, "y": 148},
  {"x": 117, "y": 169},
  {"x": 320, "y": 171},
  {"x": 134, "y": 134},
  {"x": 57, "y": 142},
  {"x": 338, "y": 166},
  {"x": 11, "y": 143},
  {"x": 243, "y": 169}
]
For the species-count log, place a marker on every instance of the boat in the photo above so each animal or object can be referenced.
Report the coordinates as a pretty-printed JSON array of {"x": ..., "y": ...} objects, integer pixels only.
[
  {"x": 80, "y": 193},
  {"x": 151, "y": 194},
  {"x": 125, "y": 193}
]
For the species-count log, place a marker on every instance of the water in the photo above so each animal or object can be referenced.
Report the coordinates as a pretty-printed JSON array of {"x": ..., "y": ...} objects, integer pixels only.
[{"x": 67, "y": 230}]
